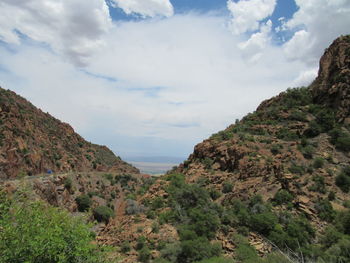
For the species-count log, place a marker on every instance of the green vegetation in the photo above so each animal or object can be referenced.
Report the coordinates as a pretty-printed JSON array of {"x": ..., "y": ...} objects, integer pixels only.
[
  {"x": 103, "y": 213},
  {"x": 84, "y": 202},
  {"x": 341, "y": 139},
  {"x": 343, "y": 179},
  {"x": 34, "y": 232}
]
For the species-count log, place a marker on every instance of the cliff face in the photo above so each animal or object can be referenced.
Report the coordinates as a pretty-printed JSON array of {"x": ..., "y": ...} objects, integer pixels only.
[
  {"x": 33, "y": 142},
  {"x": 332, "y": 86}
]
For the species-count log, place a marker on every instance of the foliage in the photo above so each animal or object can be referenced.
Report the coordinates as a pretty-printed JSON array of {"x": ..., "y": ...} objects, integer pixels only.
[
  {"x": 103, "y": 213},
  {"x": 282, "y": 197},
  {"x": 343, "y": 182},
  {"x": 144, "y": 254},
  {"x": 227, "y": 187},
  {"x": 341, "y": 139},
  {"x": 318, "y": 162},
  {"x": 325, "y": 210},
  {"x": 34, "y": 232},
  {"x": 84, "y": 202}
]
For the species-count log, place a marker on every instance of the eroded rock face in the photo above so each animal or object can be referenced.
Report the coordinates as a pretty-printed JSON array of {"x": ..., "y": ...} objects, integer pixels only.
[
  {"x": 33, "y": 142},
  {"x": 332, "y": 86}
]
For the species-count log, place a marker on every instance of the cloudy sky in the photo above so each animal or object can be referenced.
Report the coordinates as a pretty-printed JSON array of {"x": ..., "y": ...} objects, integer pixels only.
[{"x": 155, "y": 77}]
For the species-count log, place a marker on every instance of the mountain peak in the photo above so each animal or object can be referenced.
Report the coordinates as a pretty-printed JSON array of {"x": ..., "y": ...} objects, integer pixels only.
[{"x": 332, "y": 86}]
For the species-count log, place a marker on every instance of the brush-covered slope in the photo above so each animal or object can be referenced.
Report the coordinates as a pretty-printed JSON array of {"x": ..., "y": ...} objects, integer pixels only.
[
  {"x": 275, "y": 185},
  {"x": 33, "y": 142}
]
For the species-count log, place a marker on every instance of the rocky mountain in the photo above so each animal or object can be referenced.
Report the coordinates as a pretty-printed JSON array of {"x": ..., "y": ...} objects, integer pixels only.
[
  {"x": 33, "y": 142},
  {"x": 274, "y": 184},
  {"x": 272, "y": 188}
]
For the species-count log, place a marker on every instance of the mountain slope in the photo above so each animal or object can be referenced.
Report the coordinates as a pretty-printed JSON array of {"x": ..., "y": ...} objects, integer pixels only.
[
  {"x": 33, "y": 142},
  {"x": 276, "y": 181}
]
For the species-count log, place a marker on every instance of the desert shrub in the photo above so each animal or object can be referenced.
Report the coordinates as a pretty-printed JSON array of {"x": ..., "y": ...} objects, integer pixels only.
[
  {"x": 297, "y": 169},
  {"x": 318, "y": 162},
  {"x": 287, "y": 135},
  {"x": 341, "y": 139},
  {"x": 331, "y": 196},
  {"x": 325, "y": 210},
  {"x": 318, "y": 184},
  {"x": 125, "y": 247},
  {"x": 144, "y": 254},
  {"x": 197, "y": 249},
  {"x": 307, "y": 151},
  {"x": 34, "y": 232},
  {"x": 84, "y": 202},
  {"x": 171, "y": 251},
  {"x": 227, "y": 187},
  {"x": 276, "y": 149},
  {"x": 297, "y": 115},
  {"x": 214, "y": 194},
  {"x": 343, "y": 182},
  {"x": 294, "y": 97},
  {"x": 133, "y": 207},
  {"x": 263, "y": 222},
  {"x": 68, "y": 183},
  {"x": 313, "y": 130},
  {"x": 244, "y": 252},
  {"x": 103, "y": 213},
  {"x": 208, "y": 162},
  {"x": 326, "y": 119},
  {"x": 282, "y": 197}
]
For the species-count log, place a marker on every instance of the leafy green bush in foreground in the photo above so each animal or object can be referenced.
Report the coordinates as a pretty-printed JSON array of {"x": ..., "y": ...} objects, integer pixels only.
[{"x": 34, "y": 232}]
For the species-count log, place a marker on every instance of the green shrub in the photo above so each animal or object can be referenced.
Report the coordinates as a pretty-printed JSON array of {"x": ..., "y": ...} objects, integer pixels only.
[
  {"x": 103, "y": 213},
  {"x": 68, "y": 183},
  {"x": 276, "y": 149},
  {"x": 287, "y": 135},
  {"x": 198, "y": 249},
  {"x": 318, "y": 185},
  {"x": 144, "y": 254},
  {"x": 125, "y": 247},
  {"x": 341, "y": 139},
  {"x": 34, "y": 232},
  {"x": 141, "y": 242},
  {"x": 282, "y": 197},
  {"x": 313, "y": 130},
  {"x": 318, "y": 162},
  {"x": 343, "y": 182},
  {"x": 214, "y": 194},
  {"x": 325, "y": 210},
  {"x": 227, "y": 187},
  {"x": 207, "y": 162},
  {"x": 263, "y": 222},
  {"x": 84, "y": 202},
  {"x": 297, "y": 169}
]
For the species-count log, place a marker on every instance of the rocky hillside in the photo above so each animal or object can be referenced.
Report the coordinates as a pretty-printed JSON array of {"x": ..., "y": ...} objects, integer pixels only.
[
  {"x": 273, "y": 187},
  {"x": 33, "y": 142}
]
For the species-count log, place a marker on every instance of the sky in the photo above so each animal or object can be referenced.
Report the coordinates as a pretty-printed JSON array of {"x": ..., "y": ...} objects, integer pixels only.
[{"x": 156, "y": 77}]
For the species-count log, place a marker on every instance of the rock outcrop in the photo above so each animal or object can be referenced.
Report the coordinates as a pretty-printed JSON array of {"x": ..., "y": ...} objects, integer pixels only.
[{"x": 33, "y": 142}]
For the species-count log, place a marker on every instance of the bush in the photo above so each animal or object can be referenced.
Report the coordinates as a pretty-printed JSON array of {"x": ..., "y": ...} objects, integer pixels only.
[
  {"x": 343, "y": 182},
  {"x": 325, "y": 210},
  {"x": 282, "y": 197},
  {"x": 144, "y": 254},
  {"x": 318, "y": 162},
  {"x": 318, "y": 185},
  {"x": 84, "y": 202},
  {"x": 125, "y": 247},
  {"x": 35, "y": 232},
  {"x": 263, "y": 222},
  {"x": 68, "y": 183},
  {"x": 103, "y": 214},
  {"x": 297, "y": 169},
  {"x": 227, "y": 187},
  {"x": 340, "y": 139},
  {"x": 198, "y": 249}
]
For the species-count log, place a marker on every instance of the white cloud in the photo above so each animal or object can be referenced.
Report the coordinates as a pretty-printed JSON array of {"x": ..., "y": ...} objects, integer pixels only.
[
  {"x": 72, "y": 27},
  {"x": 317, "y": 23},
  {"x": 253, "y": 48},
  {"x": 247, "y": 14},
  {"x": 146, "y": 8},
  {"x": 178, "y": 80}
]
